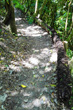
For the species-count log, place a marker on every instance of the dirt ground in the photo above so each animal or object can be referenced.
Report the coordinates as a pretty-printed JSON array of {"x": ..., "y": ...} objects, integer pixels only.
[{"x": 27, "y": 68}]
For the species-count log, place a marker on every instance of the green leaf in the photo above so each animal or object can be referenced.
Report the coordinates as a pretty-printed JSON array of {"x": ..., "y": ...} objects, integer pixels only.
[
  {"x": 1, "y": 39},
  {"x": 52, "y": 85},
  {"x": 6, "y": 65},
  {"x": 34, "y": 76},
  {"x": 30, "y": 21},
  {"x": 0, "y": 30}
]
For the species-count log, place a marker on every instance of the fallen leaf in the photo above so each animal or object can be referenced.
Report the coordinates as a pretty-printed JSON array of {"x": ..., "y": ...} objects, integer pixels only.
[
  {"x": 51, "y": 51},
  {"x": 34, "y": 76},
  {"x": 5, "y": 70},
  {"x": 1, "y": 39},
  {"x": 52, "y": 85},
  {"x": 23, "y": 86},
  {"x": 5, "y": 33},
  {"x": 43, "y": 76},
  {"x": 53, "y": 62},
  {"x": 35, "y": 67},
  {"x": 14, "y": 56},
  {"x": 15, "y": 37},
  {"x": 44, "y": 98},
  {"x": 52, "y": 100},
  {"x": 1, "y": 61},
  {"x": 53, "y": 93}
]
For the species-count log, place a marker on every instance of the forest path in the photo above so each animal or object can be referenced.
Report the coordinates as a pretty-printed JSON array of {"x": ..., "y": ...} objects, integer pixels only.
[
  {"x": 38, "y": 68},
  {"x": 29, "y": 79}
]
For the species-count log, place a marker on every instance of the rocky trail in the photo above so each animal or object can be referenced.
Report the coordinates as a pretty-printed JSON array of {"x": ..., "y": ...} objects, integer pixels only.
[{"x": 28, "y": 69}]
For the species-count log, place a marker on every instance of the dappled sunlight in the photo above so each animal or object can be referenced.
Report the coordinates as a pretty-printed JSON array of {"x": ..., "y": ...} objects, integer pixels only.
[
  {"x": 3, "y": 45},
  {"x": 15, "y": 68},
  {"x": 34, "y": 31},
  {"x": 2, "y": 67},
  {"x": 35, "y": 50},
  {"x": 27, "y": 106},
  {"x": 2, "y": 58},
  {"x": 15, "y": 62},
  {"x": 53, "y": 57},
  {"x": 14, "y": 93},
  {"x": 48, "y": 69},
  {"x": 43, "y": 54},
  {"x": 36, "y": 58},
  {"x": 13, "y": 52},
  {"x": 27, "y": 64},
  {"x": 18, "y": 19},
  {"x": 34, "y": 61},
  {"x": 37, "y": 102},
  {"x": 26, "y": 94},
  {"x": 45, "y": 51}
]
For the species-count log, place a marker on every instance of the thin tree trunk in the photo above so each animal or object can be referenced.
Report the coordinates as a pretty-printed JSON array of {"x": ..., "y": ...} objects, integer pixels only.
[
  {"x": 53, "y": 15},
  {"x": 40, "y": 10},
  {"x": 67, "y": 18},
  {"x": 10, "y": 17},
  {"x": 71, "y": 26},
  {"x": 36, "y": 6}
]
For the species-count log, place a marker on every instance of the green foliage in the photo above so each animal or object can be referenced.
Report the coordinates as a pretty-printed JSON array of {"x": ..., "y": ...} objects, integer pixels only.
[
  {"x": 70, "y": 40},
  {"x": 2, "y": 8},
  {"x": 54, "y": 13},
  {"x": 2, "y": 12},
  {"x": 0, "y": 30},
  {"x": 18, "y": 5},
  {"x": 30, "y": 20},
  {"x": 69, "y": 53}
]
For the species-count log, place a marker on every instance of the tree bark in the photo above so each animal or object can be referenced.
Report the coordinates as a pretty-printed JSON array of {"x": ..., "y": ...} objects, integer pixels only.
[{"x": 10, "y": 17}]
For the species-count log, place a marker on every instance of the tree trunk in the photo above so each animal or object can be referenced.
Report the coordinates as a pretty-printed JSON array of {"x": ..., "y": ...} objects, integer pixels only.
[
  {"x": 71, "y": 26},
  {"x": 39, "y": 11},
  {"x": 10, "y": 17},
  {"x": 36, "y": 6},
  {"x": 53, "y": 14},
  {"x": 67, "y": 18}
]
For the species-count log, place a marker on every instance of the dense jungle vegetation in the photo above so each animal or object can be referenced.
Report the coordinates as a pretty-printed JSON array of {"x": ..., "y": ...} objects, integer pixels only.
[{"x": 55, "y": 13}]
